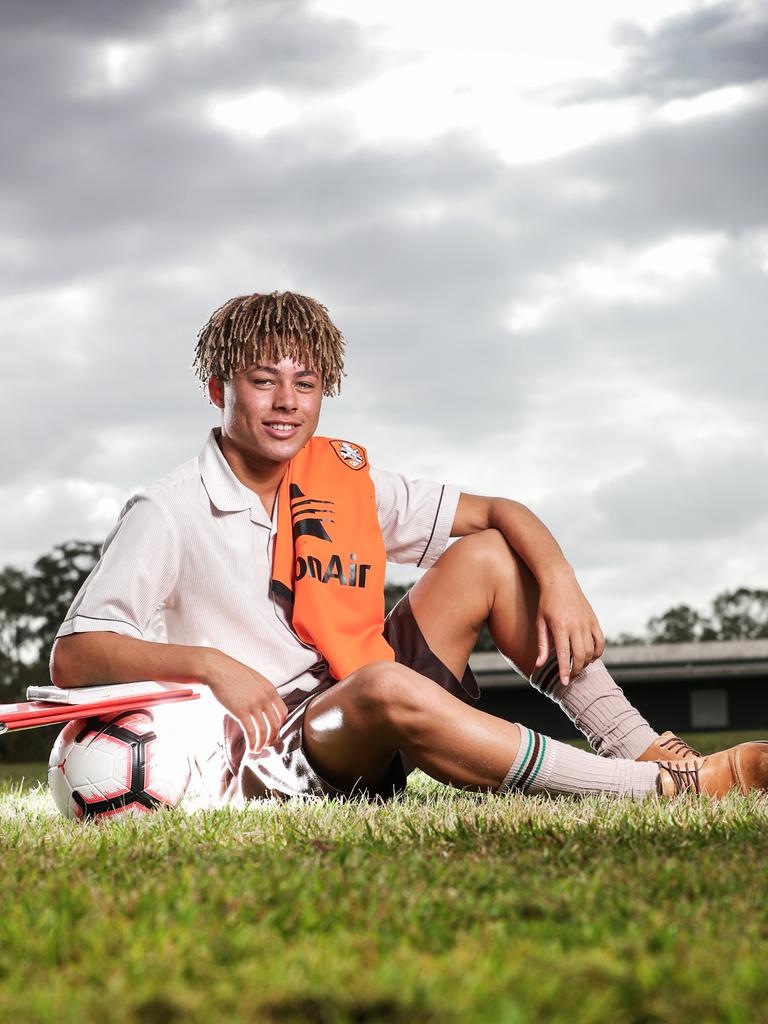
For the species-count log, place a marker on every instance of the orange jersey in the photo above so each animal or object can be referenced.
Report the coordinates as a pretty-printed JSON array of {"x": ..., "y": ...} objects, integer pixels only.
[{"x": 330, "y": 558}]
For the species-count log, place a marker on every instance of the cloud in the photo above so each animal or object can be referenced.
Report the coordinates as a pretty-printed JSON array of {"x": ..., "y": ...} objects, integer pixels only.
[
  {"x": 700, "y": 51},
  {"x": 686, "y": 497},
  {"x": 417, "y": 298},
  {"x": 34, "y": 519},
  {"x": 84, "y": 19}
]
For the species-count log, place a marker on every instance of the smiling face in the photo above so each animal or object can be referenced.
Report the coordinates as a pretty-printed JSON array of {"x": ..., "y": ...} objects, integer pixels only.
[{"x": 268, "y": 411}]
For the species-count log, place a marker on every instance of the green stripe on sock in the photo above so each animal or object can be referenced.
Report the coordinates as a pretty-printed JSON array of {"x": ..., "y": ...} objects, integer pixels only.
[
  {"x": 524, "y": 762},
  {"x": 541, "y": 758}
]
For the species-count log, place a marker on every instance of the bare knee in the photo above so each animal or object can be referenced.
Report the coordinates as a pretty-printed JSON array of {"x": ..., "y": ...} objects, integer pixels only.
[
  {"x": 383, "y": 696},
  {"x": 351, "y": 730},
  {"x": 385, "y": 693},
  {"x": 382, "y": 702},
  {"x": 489, "y": 555}
]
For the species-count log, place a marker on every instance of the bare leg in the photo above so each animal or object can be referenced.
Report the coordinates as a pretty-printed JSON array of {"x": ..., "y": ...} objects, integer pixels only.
[
  {"x": 353, "y": 731},
  {"x": 478, "y": 579}
]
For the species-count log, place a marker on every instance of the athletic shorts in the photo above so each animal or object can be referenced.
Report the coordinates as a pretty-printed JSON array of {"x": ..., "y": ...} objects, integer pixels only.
[{"x": 283, "y": 769}]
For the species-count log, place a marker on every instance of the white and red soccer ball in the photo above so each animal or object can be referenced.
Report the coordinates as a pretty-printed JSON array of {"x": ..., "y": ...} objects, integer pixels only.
[{"x": 117, "y": 765}]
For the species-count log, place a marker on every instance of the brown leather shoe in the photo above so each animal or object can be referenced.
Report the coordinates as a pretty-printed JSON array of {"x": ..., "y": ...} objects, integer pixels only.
[
  {"x": 744, "y": 767},
  {"x": 668, "y": 747}
]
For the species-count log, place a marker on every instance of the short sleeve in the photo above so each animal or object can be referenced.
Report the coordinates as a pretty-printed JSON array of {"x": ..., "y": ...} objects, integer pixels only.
[
  {"x": 135, "y": 575},
  {"x": 415, "y": 516}
]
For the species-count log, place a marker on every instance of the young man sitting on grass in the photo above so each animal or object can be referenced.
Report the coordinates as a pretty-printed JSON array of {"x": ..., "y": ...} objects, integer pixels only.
[{"x": 264, "y": 559}]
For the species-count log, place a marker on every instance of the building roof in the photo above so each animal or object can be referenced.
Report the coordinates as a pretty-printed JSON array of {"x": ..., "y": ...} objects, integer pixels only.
[{"x": 652, "y": 663}]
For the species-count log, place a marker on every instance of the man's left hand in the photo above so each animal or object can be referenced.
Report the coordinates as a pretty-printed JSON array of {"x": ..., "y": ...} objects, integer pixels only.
[{"x": 566, "y": 623}]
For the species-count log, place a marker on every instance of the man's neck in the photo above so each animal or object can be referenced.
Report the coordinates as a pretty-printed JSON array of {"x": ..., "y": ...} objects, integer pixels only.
[{"x": 262, "y": 477}]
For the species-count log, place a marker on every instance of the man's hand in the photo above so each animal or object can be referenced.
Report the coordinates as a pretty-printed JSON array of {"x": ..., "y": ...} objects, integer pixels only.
[
  {"x": 565, "y": 621},
  {"x": 84, "y": 659},
  {"x": 566, "y": 624},
  {"x": 247, "y": 695}
]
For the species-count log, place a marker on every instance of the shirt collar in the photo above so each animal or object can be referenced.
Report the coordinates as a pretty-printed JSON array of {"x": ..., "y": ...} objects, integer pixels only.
[{"x": 226, "y": 492}]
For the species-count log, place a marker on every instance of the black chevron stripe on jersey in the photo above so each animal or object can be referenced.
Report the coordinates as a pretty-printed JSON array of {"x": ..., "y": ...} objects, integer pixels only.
[{"x": 309, "y": 514}]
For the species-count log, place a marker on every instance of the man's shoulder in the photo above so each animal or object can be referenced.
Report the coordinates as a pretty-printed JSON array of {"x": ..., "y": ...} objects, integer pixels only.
[
  {"x": 171, "y": 493},
  {"x": 183, "y": 477}
]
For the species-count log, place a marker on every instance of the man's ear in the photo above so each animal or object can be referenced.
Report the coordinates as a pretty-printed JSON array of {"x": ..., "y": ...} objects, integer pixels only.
[{"x": 216, "y": 391}]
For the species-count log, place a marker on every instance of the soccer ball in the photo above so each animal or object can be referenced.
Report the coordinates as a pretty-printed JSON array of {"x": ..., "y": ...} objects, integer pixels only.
[{"x": 116, "y": 766}]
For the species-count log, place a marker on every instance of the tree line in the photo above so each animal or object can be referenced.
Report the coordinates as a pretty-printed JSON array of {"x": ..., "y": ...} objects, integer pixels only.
[{"x": 740, "y": 614}]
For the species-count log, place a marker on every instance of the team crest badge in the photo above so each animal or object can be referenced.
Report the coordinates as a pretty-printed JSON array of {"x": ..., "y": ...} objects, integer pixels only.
[{"x": 349, "y": 454}]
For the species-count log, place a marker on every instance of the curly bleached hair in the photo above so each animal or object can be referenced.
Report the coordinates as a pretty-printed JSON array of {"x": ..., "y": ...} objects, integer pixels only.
[{"x": 262, "y": 327}]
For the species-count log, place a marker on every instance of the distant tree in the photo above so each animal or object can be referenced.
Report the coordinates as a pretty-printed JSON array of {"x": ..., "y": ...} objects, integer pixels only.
[
  {"x": 33, "y": 604},
  {"x": 14, "y": 619},
  {"x": 484, "y": 640},
  {"x": 678, "y": 625},
  {"x": 741, "y": 614},
  {"x": 393, "y": 592},
  {"x": 626, "y": 640}
]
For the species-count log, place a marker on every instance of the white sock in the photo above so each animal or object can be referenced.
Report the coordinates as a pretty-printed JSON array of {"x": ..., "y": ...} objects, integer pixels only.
[
  {"x": 546, "y": 765},
  {"x": 598, "y": 708}
]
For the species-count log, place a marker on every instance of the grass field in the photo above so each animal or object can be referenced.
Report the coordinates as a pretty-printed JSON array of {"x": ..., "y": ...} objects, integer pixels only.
[{"x": 441, "y": 906}]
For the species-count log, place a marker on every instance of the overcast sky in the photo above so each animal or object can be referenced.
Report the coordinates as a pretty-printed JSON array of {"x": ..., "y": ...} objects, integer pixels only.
[{"x": 542, "y": 228}]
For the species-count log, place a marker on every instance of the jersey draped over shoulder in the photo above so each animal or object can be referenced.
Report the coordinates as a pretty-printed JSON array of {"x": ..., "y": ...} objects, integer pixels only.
[{"x": 330, "y": 560}]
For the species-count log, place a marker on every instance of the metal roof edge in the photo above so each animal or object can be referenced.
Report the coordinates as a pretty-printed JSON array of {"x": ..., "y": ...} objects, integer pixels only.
[{"x": 710, "y": 652}]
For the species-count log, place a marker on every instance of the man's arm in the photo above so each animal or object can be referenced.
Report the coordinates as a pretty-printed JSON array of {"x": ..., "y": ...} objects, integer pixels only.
[
  {"x": 565, "y": 619},
  {"x": 89, "y": 658},
  {"x": 136, "y": 574}
]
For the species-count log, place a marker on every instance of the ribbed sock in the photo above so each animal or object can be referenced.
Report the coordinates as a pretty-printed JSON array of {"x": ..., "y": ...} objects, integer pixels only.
[
  {"x": 597, "y": 707},
  {"x": 546, "y": 765}
]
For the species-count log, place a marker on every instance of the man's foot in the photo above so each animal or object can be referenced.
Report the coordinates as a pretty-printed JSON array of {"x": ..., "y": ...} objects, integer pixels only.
[
  {"x": 668, "y": 747},
  {"x": 744, "y": 767}
]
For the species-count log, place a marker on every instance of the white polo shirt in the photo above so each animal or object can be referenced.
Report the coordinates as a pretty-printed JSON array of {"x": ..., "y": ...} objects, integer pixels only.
[{"x": 189, "y": 562}]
